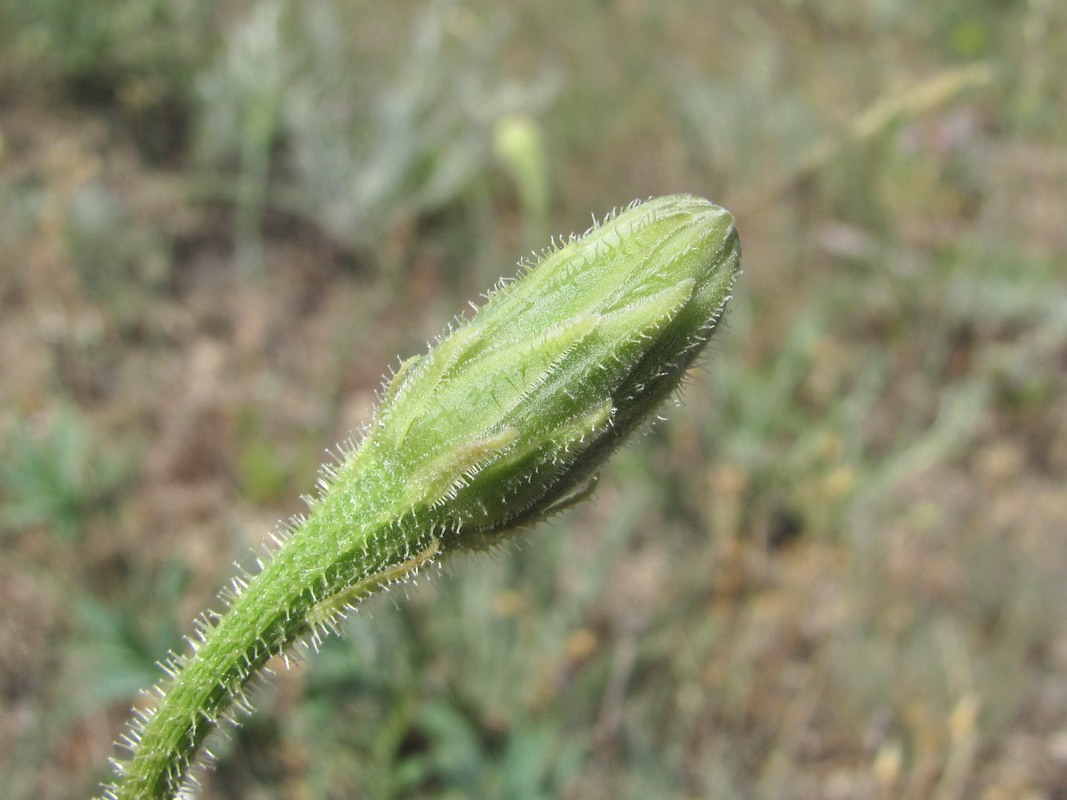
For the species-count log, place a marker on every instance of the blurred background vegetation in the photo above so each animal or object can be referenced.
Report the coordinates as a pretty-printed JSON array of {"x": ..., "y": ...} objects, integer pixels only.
[{"x": 838, "y": 570}]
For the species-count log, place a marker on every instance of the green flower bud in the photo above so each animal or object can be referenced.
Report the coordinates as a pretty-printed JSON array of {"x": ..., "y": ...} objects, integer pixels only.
[
  {"x": 504, "y": 421},
  {"x": 515, "y": 410}
]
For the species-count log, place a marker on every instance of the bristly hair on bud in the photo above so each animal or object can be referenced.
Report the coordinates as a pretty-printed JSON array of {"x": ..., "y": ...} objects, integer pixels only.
[{"x": 504, "y": 421}]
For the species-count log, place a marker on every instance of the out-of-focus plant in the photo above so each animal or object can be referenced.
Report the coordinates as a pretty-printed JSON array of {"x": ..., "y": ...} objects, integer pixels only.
[
  {"x": 91, "y": 43},
  {"x": 54, "y": 475},
  {"x": 748, "y": 128},
  {"x": 520, "y": 146},
  {"x": 241, "y": 97},
  {"x": 117, "y": 643},
  {"x": 138, "y": 55},
  {"x": 289, "y": 94}
]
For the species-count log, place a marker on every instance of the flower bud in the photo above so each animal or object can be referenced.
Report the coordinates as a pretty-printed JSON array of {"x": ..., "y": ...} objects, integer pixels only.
[{"x": 509, "y": 416}]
